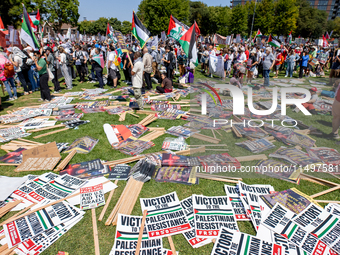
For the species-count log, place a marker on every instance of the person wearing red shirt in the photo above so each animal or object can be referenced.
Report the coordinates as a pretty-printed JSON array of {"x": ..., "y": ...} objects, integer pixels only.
[
  {"x": 278, "y": 62},
  {"x": 246, "y": 52},
  {"x": 336, "y": 114}
]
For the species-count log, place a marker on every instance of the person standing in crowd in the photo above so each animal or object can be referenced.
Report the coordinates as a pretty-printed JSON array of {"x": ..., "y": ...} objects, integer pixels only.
[
  {"x": 166, "y": 86},
  {"x": 336, "y": 114},
  {"x": 92, "y": 53},
  {"x": 113, "y": 69},
  {"x": 182, "y": 59},
  {"x": 303, "y": 64},
  {"x": 290, "y": 60},
  {"x": 41, "y": 65},
  {"x": 251, "y": 65},
  {"x": 98, "y": 64},
  {"x": 335, "y": 68},
  {"x": 259, "y": 54},
  {"x": 268, "y": 63},
  {"x": 211, "y": 53},
  {"x": 278, "y": 62},
  {"x": 64, "y": 69},
  {"x": 29, "y": 61},
  {"x": 7, "y": 76},
  {"x": 80, "y": 60},
  {"x": 17, "y": 60},
  {"x": 129, "y": 65},
  {"x": 137, "y": 78},
  {"x": 52, "y": 66},
  {"x": 147, "y": 61},
  {"x": 168, "y": 60},
  {"x": 86, "y": 54}
]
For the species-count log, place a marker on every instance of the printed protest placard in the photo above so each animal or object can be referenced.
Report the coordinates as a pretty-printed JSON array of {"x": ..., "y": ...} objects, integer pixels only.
[
  {"x": 165, "y": 217},
  {"x": 127, "y": 233},
  {"x": 194, "y": 241},
  {"x": 35, "y": 223},
  {"x": 92, "y": 197},
  {"x": 121, "y": 41},
  {"x": 279, "y": 220},
  {"x": 235, "y": 200},
  {"x": 212, "y": 213},
  {"x": 229, "y": 242}
]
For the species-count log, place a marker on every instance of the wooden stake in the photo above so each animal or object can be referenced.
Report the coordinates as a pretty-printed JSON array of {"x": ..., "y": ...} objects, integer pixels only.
[
  {"x": 9, "y": 206},
  {"x": 205, "y": 138},
  {"x": 129, "y": 112},
  {"x": 101, "y": 216},
  {"x": 325, "y": 191},
  {"x": 251, "y": 158},
  {"x": 327, "y": 201},
  {"x": 50, "y": 133},
  {"x": 122, "y": 116},
  {"x": 172, "y": 246},
  {"x": 8, "y": 164},
  {"x": 22, "y": 211},
  {"x": 213, "y": 133},
  {"x": 3, "y": 248},
  {"x": 45, "y": 128},
  {"x": 66, "y": 160},
  {"x": 95, "y": 232},
  {"x": 141, "y": 230}
]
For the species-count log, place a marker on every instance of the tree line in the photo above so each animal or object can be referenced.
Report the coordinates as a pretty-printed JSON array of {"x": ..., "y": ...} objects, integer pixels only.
[{"x": 277, "y": 17}]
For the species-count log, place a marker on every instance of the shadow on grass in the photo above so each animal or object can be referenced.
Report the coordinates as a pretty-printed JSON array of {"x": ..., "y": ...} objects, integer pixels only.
[{"x": 325, "y": 123}]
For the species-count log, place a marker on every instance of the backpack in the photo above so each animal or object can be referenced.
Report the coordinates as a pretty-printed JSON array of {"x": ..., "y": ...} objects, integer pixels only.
[
  {"x": 69, "y": 60},
  {"x": 9, "y": 70}
]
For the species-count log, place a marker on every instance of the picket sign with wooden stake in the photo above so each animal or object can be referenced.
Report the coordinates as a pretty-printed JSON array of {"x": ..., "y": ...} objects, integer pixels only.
[
  {"x": 107, "y": 203},
  {"x": 66, "y": 160},
  {"x": 95, "y": 232},
  {"x": 50, "y": 133},
  {"x": 172, "y": 246},
  {"x": 141, "y": 230}
]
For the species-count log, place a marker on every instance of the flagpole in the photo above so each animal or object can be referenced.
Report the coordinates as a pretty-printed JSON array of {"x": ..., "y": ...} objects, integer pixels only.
[{"x": 252, "y": 23}]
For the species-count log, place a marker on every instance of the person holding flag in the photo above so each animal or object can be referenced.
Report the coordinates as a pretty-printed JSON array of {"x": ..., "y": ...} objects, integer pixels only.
[{"x": 41, "y": 66}]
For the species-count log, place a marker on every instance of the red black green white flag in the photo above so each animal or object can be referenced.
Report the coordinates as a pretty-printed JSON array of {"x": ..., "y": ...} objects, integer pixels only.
[
  {"x": 2, "y": 27},
  {"x": 139, "y": 30},
  {"x": 27, "y": 33},
  {"x": 188, "y": 43},
  {"x": 273, "y": 41},
  {"x": 35, "y": 18}
]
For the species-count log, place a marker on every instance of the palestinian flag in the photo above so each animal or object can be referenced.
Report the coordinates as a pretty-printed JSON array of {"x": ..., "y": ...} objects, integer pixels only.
[
  {"x": 109, "y": 31},
  {"x": 188, "y": 43},
  {"x": 328, "y": 224},
  {"x": 139, "y": 30},
  {"x": 2, "y": 27},
  {"x": 273, "y": 41},
  {"x": 327, "y": 36},
  {"x": 290, "y": 37},
  {"x": 27, "y": 32},
  {"x": 289, "y": 229},
  {"x": 176, "y": 28},
  {"x": 35, "y": 18},
  {"x": 128, "y": 236},
  {"x": 258, "y": 34}
]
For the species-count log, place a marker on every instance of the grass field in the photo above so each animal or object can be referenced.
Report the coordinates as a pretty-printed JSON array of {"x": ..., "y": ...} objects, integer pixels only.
[{"x": 79, "y": 240}]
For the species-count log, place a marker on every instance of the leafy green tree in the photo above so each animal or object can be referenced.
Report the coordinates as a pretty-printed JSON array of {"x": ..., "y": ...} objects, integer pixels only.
[
  {"x": 126, "y": 27},
  {"x": 311, "y": 22},
  {"x": 286, "y": 14},
  {"x": 250, "y": 6},
  {"x": 116, "y": 24},
  {"x": 264, "y": 18},
  {"x": 155, "y": 14},
  {"x": 239, "y": 20},
  {"x": 58, "y": 12},
  {"x": 10, "y": 11},
  {"x": 199, "y": 12},
  {"x": 85, "y": 27}
]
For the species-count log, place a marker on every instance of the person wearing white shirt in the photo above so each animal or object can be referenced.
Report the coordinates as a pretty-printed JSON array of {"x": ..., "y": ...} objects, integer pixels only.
[
  {"x": 111, "y": 65},
  {"x": 64, "y": 68},
  {"x": 137, "y": 78}
]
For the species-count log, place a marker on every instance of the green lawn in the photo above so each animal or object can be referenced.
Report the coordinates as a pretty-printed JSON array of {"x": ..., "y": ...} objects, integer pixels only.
[{"x": 79, "y": 240}]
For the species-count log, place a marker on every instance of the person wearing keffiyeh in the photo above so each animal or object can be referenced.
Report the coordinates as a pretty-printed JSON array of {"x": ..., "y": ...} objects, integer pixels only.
[{"x": 98, "y": 65}]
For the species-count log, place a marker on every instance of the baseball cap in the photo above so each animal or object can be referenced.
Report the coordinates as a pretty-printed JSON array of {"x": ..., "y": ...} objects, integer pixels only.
[{"x": 314, "y": 89}]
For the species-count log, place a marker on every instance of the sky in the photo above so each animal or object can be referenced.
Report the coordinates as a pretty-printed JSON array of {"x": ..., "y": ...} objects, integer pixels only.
[{"x": 120, "y": 9}]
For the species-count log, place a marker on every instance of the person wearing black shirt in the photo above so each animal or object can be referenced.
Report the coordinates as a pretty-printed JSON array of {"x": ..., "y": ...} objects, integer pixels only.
[
  {"x": 251, "y": 65},
  {"x": 168, "y": 60}
]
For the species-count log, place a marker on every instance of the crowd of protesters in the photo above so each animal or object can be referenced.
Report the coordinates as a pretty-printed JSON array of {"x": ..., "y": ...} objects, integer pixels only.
[{"x": 101, "y": 62}]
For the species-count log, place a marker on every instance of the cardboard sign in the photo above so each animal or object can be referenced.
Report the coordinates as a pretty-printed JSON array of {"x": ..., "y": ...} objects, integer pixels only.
[
  {"x": 280, "y": 221},
  {"x": 165, "y": 217},
  {"x": 120, "y": 172},
  {"x": 121, "y": 41},
  {"x": 82, "y": 145},
  {"x": 229, "y": 242},
  {"x": 33, "y": 224},
  {"x": 212, "y": 213},
  {"x": 194, "y": 241},
  {"x": 43, "y": 157},
  {"x": 92, "y": 197},
  {"x": 127, "y": 233},
  {"x": 42, "y": 241},
  {"x": 236, "y": 202}
]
